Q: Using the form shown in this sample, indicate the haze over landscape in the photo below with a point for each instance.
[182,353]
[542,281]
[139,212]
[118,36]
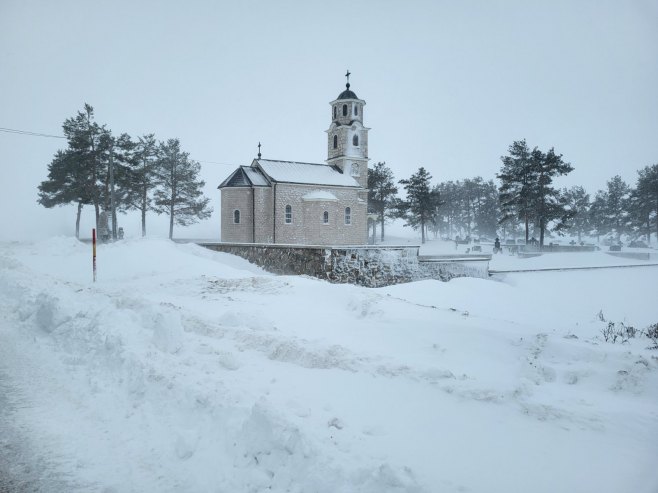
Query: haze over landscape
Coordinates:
[448,86]
[477,362]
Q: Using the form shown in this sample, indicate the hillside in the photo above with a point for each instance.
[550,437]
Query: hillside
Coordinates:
[187,370]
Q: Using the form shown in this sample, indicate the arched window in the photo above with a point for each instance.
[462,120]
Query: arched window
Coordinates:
[334,112]
[325,217]
[288,214]
[356,110]
[355,140]
[344,110]
[335,141]
[236,216]
[348,215]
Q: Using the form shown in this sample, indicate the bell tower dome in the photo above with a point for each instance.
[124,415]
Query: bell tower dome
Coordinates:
[347,136]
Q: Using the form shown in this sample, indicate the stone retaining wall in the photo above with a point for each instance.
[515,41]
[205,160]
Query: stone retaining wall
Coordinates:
[363,265]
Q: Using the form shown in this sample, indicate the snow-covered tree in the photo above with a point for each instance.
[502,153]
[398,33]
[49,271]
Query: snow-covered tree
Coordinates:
[142,176]
[616,207]
[547,203]
[422,202]
[179,193]
[643,202]
[381,192]
[78,174]
[517,189]
[66,184]
[577,202]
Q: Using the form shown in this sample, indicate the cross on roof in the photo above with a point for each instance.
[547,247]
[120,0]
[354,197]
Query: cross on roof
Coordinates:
[348,78]
[259,150]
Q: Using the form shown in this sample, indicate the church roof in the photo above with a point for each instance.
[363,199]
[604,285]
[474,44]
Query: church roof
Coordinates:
[347,94]
[305,173]
[245,176]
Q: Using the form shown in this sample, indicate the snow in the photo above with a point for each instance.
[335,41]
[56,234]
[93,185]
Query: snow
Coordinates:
[306,173]
[184,369]
[255,176]
[321,195]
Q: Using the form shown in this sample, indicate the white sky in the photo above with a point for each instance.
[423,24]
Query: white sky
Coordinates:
[448,86]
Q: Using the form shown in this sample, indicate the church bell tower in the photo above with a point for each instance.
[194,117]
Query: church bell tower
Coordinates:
[347,137]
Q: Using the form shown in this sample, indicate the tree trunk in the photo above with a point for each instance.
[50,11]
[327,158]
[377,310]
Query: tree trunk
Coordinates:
[656,218]
[171,220]
[77,221]
[542,228]
[526,228]
[422,231]
[98,213]
[382,232]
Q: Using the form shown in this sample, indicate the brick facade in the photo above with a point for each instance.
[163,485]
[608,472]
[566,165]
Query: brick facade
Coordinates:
[237,199]
[308,227]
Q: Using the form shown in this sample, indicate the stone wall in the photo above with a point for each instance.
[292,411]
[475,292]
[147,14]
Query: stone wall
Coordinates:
[362,265]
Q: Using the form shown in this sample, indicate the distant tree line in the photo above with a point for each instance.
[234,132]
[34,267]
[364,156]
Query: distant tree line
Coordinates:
[120,174]
[526,202]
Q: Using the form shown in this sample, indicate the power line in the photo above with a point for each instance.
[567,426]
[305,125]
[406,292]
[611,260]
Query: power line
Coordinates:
[215,162]
[27,132]
[38,134]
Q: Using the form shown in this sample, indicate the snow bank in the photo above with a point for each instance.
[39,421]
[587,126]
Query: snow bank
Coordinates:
[183,369]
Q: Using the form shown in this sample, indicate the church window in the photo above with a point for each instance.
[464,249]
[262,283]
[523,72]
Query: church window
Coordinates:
[348,215]
[236,216]
[325,217]
[288,214]
[356,110]
[335,141]
[355,140]
[344,110]
[355,169]
[334,112]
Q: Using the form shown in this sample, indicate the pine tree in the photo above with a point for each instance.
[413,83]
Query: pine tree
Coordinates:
[422,203]
[381,192]
[517,190]
[179,193]
[644,201]
[616,206]
[578,204]
[547,203]
[142,176]
[65,185]
[526,190]
[487,208]
[77,174]
[445,221]
[597,215]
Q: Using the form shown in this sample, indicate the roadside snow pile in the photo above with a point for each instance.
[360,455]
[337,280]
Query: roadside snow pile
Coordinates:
[183,369]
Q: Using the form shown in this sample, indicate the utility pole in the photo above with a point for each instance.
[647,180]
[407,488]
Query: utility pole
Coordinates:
[112,203]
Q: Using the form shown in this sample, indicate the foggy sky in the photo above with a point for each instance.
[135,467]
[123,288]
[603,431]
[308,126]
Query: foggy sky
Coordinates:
[448,86]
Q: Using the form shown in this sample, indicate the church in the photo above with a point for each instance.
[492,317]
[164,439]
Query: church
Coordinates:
[288,202]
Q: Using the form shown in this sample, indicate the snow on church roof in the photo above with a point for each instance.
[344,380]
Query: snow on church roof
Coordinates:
[245,176]
[306,173]
[320,195]
[255,176]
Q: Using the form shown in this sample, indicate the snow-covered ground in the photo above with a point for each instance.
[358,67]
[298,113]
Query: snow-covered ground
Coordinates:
[183,369]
